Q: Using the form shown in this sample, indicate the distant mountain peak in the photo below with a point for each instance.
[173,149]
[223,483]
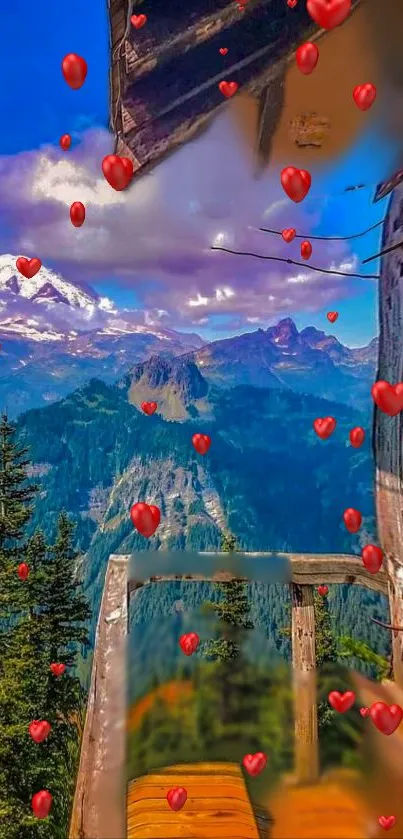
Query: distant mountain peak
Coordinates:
[174,383]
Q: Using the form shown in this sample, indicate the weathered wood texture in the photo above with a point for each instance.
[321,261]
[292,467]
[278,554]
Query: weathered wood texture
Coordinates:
[304,675]
[99,802]
[217,805]
[388,431]
[307,569]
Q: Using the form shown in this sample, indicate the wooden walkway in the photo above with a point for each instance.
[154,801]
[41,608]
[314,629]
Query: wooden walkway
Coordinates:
[217,807]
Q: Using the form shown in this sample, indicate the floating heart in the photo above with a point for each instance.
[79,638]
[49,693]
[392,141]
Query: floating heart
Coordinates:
[146,518]
[292,3]
[201,443]
[39,730]
[28,267]
[323,591]
[387,822]
[364,96]
[306,250]
[223,50]
[288,234]
[372,558]
[41,804]
[328,13]
[388,398]
[138,21]
[74,69]
[307,57]
[296,183]
[341,702]
[77,214]
[364,712]
[387,718]
[189,643]
[57,669]
[324,427]
[254,764]
[23,570]
[357,436]
[228,88]
[176,798]
[352,519]
[118,171]
[332,316]
[149,408]
[65,142]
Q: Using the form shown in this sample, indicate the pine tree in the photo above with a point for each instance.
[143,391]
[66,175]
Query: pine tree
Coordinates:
[42,619]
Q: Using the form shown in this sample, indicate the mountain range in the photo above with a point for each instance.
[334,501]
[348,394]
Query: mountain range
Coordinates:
[56,335]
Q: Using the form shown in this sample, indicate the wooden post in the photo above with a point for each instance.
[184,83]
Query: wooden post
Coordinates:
[305,699]
[388,431]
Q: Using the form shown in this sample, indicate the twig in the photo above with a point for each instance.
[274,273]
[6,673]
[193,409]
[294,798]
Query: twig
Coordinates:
[299,264]
[327,238]
[388,625]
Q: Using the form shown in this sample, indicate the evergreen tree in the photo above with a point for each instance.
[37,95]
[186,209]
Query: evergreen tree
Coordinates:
[41,620]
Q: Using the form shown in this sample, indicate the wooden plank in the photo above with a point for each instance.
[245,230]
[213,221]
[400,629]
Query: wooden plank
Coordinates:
[388,431]
[304,675]
[217,795]
[307,569]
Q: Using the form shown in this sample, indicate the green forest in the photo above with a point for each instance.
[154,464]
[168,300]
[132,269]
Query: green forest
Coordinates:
[43,622]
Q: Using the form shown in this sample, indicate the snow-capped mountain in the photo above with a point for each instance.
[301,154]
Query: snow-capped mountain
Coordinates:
[55,335]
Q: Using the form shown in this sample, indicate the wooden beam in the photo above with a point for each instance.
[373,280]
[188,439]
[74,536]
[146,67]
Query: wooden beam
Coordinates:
[304,676]
[99,801]
[306,569]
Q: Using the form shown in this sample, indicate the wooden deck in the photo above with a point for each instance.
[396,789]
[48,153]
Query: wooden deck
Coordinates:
[218,804]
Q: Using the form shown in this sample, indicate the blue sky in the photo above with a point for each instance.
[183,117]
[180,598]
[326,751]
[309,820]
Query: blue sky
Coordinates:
[40,107]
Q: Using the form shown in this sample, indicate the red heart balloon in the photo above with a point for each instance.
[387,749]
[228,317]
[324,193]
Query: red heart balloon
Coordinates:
[307,57]
[387,718]
[388,398]
[189,643]
[41,804]
[57,669]
[149,408]
[28,267]
[223,50]
[357,436]
[352,519]
[364,96]
[176,798]
[364,712]
[306,250]
[39,730]
[372,558]
[324,427]
[387,822]
[341,702]
[332,316]
[228,88]
[323,591]
[65,142]
[138,21]
[328,13]
[288,234]
[77,214]
[254,764]
[74,69]
[292,3]
[201,442]
[23,570]
[118,171]
[296,183]
[145,518]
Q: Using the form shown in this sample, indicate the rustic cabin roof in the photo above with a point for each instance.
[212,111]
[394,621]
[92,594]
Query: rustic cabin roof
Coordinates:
[165,76]
[385,187]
